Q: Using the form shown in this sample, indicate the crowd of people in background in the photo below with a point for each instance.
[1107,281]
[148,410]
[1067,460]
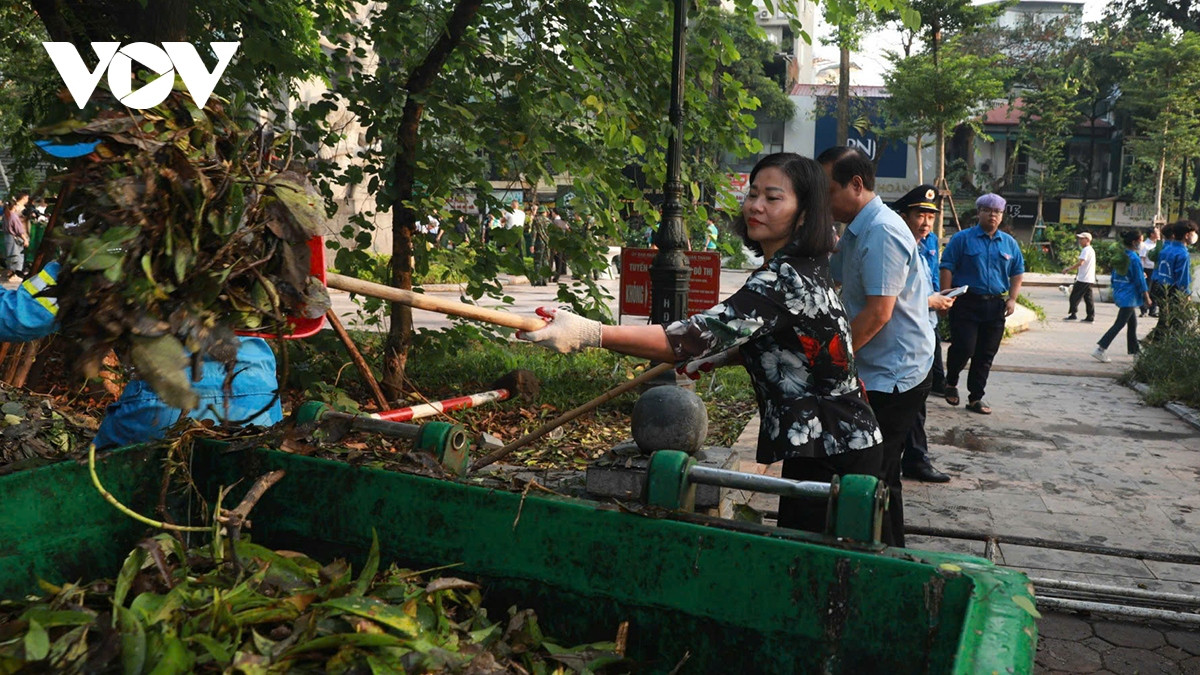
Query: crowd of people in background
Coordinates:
[23,219]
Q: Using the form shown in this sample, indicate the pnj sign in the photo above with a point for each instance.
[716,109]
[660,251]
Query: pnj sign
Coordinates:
[167,60]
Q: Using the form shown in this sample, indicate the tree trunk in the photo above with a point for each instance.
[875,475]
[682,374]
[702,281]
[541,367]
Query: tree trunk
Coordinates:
[1158,186]
[1091,164]
[843,98]
[399,339]
[940,181]
[920,159]
[940,138]
[1183,189]
[1195,182]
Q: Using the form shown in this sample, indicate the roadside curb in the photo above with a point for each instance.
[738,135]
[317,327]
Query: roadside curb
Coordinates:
[1183,412]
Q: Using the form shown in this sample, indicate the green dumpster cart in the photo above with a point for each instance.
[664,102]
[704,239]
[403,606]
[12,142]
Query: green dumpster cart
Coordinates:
[718,595]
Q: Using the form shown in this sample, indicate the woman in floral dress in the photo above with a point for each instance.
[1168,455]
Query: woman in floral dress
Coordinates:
[786,326]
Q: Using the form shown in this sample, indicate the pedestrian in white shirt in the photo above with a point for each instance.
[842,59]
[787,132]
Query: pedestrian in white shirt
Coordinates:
[1085,278]
[1144,249]
[514,218]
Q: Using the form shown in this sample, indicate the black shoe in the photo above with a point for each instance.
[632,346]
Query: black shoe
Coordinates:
[926,474]
[1090,319]
[1154,313]
[1070,318]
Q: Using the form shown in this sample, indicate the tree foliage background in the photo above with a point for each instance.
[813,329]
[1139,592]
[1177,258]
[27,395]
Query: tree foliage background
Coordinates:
[431,100]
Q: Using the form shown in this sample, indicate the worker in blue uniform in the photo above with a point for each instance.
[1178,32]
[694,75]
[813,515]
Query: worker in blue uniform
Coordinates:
[918,208]
[30,311]
[989,262]
[1171,283]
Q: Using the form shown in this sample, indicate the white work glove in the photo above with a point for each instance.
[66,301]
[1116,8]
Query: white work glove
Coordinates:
[564,332]
[693,369]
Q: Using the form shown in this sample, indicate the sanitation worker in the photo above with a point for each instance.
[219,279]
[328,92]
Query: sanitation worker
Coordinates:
[786,326]
[30,311]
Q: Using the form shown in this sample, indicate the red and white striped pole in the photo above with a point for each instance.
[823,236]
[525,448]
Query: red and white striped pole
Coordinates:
[447,405]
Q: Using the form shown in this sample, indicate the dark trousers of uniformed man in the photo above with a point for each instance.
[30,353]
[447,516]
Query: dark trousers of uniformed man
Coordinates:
[916,446]
[976,329]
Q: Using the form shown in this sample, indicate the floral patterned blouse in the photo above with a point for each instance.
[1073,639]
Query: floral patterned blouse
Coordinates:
[795,343]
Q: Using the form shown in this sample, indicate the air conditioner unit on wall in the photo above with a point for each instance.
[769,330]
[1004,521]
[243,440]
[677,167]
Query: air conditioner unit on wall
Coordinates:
[764,14]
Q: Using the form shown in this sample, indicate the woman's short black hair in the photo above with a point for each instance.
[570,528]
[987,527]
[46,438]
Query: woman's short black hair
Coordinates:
[812,233]
[1130,237]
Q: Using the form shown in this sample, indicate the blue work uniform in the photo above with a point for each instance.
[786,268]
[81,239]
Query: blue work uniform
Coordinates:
[27,313]
[140,415]
[1128,289]
[1170,286]
[1174,267]
[929,251]
[986,264]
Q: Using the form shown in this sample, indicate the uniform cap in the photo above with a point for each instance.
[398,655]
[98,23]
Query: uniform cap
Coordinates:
[922,197]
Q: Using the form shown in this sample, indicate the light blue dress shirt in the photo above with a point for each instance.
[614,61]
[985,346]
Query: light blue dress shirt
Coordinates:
[879,256]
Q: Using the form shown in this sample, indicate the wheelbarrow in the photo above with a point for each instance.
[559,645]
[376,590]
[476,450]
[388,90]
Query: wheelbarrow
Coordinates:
[698,594]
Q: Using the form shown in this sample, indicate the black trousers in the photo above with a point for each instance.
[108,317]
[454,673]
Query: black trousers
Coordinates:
[1151,306]
[1126,316]
[1171,302]
[807,514]
[916,446]
[976,329]
[1082,290]
[896,412]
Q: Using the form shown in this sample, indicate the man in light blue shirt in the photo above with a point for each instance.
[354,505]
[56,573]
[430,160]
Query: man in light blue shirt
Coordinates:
[885,290]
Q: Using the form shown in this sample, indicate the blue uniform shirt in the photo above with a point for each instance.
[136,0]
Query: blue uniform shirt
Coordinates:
[1174,267]
[1129,289]
[140,415]
[878,256]
[25,313]
[984,263]
[929,251]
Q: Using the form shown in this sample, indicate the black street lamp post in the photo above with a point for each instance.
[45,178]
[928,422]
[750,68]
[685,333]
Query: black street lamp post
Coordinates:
[670,271]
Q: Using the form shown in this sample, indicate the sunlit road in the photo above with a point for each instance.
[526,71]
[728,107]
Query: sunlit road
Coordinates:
[525,298]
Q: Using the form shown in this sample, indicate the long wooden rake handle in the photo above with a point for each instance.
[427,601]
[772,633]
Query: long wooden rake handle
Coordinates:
[422,301]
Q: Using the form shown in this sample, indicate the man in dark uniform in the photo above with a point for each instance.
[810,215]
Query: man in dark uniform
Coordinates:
[918,208]
[990,263]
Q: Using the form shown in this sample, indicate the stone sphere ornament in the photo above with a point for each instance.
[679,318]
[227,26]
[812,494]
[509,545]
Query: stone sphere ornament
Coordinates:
[669,418]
